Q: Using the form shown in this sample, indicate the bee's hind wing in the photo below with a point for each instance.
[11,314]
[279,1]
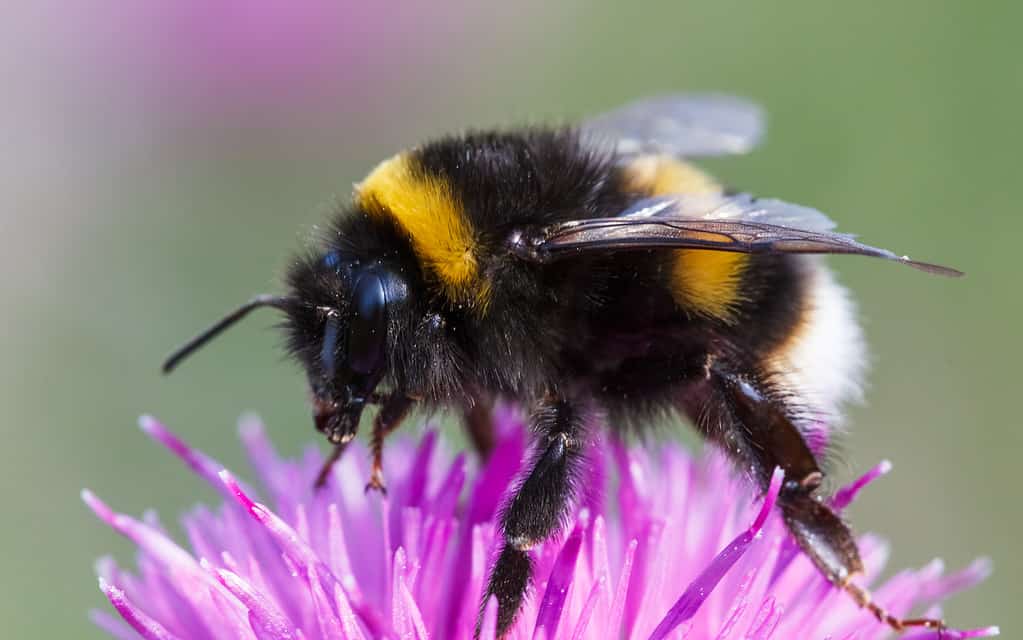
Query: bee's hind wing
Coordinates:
[680,125]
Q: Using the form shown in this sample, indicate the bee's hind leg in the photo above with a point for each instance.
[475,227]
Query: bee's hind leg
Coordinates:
[753,424]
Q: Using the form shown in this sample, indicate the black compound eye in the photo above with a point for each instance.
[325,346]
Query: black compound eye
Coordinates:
[327,359]
[368,328]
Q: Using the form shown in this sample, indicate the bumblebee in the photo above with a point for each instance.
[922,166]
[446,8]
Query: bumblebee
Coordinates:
[590,275]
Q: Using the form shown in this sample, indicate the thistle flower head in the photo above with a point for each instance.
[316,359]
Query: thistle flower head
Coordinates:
[662,546]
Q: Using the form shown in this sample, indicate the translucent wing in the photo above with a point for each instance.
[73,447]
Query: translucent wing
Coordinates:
[738,223]
[678,125]
[738,206]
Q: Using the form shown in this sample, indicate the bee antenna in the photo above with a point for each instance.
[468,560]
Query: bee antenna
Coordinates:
[193,345]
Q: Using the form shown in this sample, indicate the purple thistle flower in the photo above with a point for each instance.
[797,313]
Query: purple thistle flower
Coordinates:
[662,546]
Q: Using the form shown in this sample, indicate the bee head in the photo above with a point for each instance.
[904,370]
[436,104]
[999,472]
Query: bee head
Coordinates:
[337,324]
[342,337]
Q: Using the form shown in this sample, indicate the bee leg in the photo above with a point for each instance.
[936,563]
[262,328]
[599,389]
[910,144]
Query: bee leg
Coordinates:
[539,507]
[829,543]
[328,464]
[478,419]
[753,426]
[393,410]
[390,406]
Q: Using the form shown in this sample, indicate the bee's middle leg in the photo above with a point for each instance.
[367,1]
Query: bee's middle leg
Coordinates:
[539,507]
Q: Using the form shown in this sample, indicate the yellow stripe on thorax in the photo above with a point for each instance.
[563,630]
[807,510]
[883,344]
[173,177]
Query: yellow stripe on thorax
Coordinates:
[706,282]
[441,236]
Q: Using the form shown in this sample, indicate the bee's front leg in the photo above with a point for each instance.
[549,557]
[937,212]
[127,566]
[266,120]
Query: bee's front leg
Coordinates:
[393,409]
[392,412]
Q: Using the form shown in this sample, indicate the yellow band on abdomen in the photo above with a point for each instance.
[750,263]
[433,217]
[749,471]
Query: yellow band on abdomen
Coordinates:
[701,281]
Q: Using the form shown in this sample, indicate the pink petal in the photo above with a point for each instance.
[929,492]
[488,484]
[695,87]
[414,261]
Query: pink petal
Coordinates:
[349,623]
[113,626]
[557,586]
[586,614]
[147,627]
[488,627]
[844,496]
[622,590]
[207,468]
[698,591]
[264,616]
[328,623]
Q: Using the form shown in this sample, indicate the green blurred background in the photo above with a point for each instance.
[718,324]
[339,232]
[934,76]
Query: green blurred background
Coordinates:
[159,170]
